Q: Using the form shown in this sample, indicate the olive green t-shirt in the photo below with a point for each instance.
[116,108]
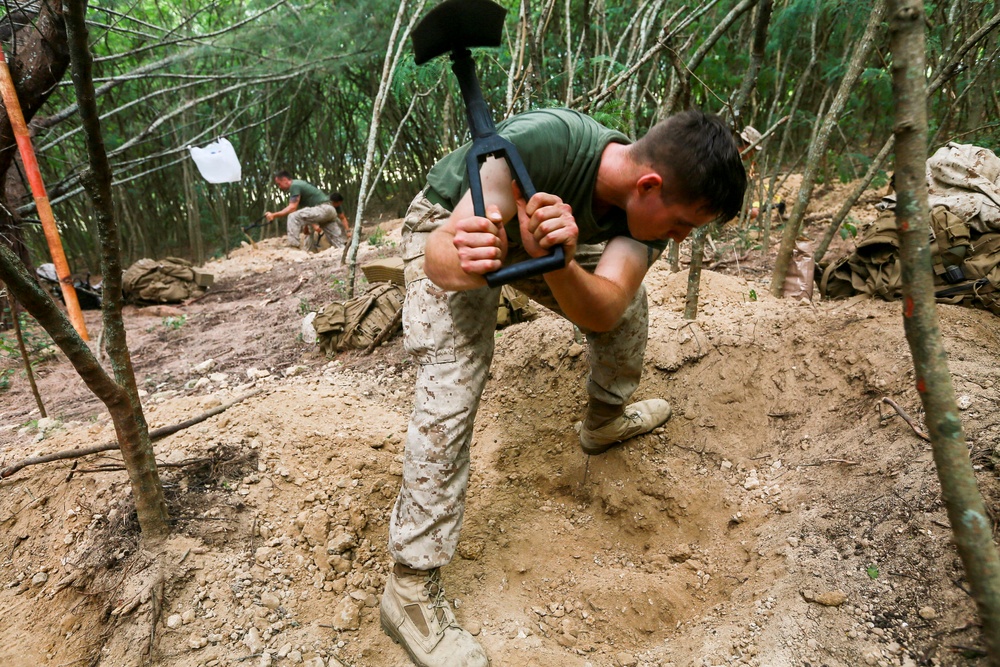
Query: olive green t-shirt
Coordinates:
[309,195]
[561,150]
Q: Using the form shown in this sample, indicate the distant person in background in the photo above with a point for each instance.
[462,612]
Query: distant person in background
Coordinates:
[749,145]
[337,200]
[308,208]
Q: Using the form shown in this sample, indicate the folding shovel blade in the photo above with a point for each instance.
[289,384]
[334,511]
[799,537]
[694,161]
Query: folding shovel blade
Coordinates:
[455,25]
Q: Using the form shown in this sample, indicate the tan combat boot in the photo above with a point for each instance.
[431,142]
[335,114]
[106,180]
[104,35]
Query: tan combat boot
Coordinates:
[638,418]
[415,614]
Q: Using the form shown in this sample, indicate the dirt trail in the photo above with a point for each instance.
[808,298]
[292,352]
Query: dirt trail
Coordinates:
[778,519]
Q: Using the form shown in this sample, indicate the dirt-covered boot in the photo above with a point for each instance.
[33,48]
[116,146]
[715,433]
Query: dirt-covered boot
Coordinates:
[416,614]
[598,433]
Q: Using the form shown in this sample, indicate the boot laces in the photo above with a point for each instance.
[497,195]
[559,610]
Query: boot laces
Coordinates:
[633,416]
[437,600]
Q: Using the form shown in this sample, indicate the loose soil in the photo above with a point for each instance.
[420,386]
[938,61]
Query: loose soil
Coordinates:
[784,516]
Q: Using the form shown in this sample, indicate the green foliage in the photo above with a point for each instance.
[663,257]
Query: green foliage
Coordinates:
[872,571]
[880,180]
[36,340]
[5,376]
[615,115]
[174,322]
[304,307]
[379,238]
[849,227]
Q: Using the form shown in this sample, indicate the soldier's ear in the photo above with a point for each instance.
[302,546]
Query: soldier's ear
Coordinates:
[649,181]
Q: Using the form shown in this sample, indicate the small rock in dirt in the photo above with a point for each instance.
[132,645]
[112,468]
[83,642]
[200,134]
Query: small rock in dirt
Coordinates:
[187,616]
[204,366]
[315,527]
[681,553]
[809,596]
[46,424]
[270,600]
[347,615]
[39,579]
[751,482]
[624,659]
[174,621]
[197,641]
[927,613]
[295,656]
[831,598]
[575,350]
[341,542]
[257,373]
[252,640]
[964,402]
[473,628]
[265,660]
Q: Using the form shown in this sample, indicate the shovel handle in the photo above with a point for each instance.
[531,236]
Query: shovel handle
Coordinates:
[496,145]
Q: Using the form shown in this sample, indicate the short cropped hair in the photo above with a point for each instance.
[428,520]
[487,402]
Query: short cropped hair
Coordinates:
[283,173]
[698,158]
[336,196]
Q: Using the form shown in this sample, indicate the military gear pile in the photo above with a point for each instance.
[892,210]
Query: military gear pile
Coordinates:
[169,280]
[358,322]
[514,307]
[964,195]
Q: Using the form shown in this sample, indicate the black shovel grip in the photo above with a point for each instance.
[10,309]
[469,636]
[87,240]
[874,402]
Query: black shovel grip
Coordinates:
[486,142]
[497,146]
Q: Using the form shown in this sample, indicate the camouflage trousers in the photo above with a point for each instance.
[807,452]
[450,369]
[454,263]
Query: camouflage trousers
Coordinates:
[324,215]
[450,335]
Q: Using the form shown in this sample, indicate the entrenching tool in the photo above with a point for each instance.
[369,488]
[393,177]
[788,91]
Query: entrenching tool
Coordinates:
[455,26]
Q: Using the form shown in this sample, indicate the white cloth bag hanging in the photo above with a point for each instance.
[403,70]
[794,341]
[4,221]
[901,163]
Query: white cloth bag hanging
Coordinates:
[217,162]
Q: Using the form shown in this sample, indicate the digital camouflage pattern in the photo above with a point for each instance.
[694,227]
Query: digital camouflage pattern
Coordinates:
[450,335]
[324,215]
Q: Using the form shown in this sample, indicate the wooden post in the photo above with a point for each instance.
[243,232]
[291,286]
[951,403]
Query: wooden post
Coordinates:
[24,147]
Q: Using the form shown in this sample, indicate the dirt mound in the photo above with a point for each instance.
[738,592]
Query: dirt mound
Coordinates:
[779,518]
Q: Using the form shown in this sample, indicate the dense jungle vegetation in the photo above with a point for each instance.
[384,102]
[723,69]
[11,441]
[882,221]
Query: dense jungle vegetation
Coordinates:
[297,86]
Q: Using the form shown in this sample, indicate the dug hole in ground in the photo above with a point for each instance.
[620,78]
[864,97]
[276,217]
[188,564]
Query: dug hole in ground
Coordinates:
[782,517]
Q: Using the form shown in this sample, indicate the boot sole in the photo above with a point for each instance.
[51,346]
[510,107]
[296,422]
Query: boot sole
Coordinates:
[389,629]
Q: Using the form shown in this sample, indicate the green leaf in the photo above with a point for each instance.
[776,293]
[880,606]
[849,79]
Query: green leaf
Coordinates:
[872,571]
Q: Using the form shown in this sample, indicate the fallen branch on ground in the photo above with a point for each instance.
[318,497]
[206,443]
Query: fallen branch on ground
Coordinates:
[906,417]
[154,435]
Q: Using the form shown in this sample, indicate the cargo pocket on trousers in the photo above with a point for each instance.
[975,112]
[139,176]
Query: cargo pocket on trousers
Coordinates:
[430,332]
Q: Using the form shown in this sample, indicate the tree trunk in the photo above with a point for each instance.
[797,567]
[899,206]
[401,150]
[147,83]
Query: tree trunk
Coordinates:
[694,270]
[852,199]
[392,54]
[756,58]
[966,512]
[24,354]
[38,58]
[125,407]
[817,148]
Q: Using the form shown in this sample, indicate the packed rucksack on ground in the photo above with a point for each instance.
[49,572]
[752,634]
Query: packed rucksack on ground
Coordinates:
[169,280]
[964,196]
